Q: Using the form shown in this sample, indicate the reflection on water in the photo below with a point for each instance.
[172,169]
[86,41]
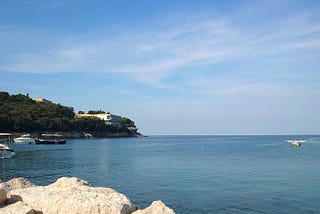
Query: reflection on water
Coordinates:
[192,174]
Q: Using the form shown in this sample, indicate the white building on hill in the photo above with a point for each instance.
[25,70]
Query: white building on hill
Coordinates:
[110,119]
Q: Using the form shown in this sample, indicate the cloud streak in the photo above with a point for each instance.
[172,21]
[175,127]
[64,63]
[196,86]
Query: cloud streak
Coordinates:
[152,55]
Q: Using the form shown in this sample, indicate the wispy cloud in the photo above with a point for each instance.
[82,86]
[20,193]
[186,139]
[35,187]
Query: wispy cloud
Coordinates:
[314,44]
[152,55]
[150,52]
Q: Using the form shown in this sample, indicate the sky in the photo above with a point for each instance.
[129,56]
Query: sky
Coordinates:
[174,67]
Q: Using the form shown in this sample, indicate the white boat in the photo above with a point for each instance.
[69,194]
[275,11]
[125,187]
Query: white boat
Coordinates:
[5,142]
[296,143]
[51,139]
[24,139]
[6,152]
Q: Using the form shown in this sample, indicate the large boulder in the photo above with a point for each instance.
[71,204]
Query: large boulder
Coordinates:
[69,195]
[157,207]
[16,183]
[69,182]
[73,195]
[17,208]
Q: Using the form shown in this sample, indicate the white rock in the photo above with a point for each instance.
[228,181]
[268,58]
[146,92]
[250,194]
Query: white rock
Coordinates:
[73,195]
[16,183]
[70,195]
[69,182]
[17,208]
[157,207]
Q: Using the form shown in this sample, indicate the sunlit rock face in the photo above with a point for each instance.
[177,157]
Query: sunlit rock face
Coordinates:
[68,195]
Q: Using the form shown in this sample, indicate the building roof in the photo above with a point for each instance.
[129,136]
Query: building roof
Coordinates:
[40,99]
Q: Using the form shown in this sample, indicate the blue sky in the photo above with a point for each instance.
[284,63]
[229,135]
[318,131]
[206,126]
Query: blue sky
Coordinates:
[174,67]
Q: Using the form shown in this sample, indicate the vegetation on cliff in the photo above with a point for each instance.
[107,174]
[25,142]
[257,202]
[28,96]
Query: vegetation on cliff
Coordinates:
[19,113]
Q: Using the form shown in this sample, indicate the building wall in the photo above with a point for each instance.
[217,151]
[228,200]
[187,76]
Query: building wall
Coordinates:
[39,99]
[110,119]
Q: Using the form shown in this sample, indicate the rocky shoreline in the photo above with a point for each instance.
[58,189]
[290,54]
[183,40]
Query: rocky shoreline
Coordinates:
[68,195]
[84,134]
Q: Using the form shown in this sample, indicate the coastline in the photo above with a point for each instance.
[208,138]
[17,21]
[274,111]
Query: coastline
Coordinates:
[83,135]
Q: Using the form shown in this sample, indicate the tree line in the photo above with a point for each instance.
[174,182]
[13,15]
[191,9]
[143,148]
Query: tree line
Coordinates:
[19,113]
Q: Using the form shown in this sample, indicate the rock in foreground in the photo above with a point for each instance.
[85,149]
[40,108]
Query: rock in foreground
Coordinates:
[70,195]
[157,207]
[17,208]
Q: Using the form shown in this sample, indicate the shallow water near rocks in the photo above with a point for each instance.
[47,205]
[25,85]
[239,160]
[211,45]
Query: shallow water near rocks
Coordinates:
[190,174]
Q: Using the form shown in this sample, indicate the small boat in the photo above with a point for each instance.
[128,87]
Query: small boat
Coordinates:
[5,142]
[24,139]
[51,139]
[88,136]
[296,143]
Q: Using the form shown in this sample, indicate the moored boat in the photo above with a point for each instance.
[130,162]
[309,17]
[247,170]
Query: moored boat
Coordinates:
[51,139]
[5,142]
[24,139]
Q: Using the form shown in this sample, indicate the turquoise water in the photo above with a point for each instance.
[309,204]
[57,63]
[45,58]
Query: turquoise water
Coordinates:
[191,174]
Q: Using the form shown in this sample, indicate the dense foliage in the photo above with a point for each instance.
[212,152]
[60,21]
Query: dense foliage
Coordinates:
[96,112]
[19,113]
[127,122]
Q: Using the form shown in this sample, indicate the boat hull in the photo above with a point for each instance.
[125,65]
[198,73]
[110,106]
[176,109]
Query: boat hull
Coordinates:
[53,141]
[6,152]
[24,141]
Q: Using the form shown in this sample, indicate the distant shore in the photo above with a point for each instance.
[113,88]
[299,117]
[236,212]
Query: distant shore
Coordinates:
[83,134]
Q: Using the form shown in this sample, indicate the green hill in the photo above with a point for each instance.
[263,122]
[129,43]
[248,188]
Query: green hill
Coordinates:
[19,113]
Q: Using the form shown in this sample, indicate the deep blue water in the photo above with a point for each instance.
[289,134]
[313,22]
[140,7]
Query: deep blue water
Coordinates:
[191,174]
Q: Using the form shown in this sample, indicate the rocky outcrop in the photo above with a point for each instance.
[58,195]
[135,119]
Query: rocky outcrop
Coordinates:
[16,183]
[69,195]
[17,208]
[157,207]
[72,195]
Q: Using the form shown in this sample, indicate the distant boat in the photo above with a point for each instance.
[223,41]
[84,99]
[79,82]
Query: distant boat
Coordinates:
[51,139]
[88,136]
[5,142]
[24,139]
[296,143]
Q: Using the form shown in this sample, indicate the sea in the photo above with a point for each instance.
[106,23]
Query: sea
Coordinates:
[190,174]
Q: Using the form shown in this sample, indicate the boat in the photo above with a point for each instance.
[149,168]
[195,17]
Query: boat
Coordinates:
[5,142]
[24,139]
[51,139]
[88,135]
[296,143]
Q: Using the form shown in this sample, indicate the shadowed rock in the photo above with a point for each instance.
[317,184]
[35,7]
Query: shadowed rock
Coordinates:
[3,196]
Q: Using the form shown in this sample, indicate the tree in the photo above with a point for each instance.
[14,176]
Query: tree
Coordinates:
[96,112]
[19,113]
[127,122]
[3,96]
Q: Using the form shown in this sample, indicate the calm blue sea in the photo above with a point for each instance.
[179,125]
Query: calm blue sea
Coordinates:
[191,174]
